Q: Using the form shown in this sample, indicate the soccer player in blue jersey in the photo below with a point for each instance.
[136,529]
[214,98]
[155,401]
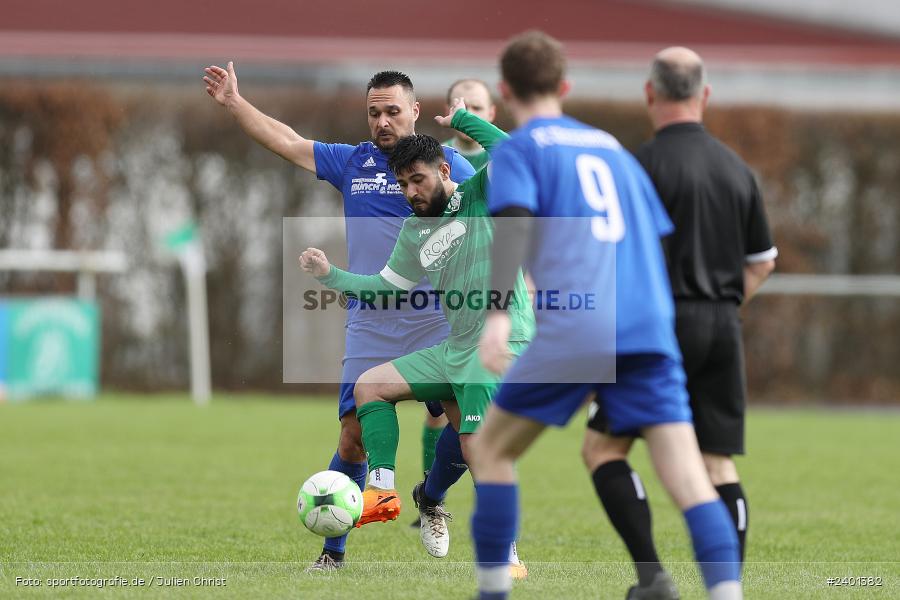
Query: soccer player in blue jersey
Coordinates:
[598,236]
[374,207]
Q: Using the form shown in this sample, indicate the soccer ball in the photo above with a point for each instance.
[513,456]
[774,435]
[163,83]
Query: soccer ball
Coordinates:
[329,504]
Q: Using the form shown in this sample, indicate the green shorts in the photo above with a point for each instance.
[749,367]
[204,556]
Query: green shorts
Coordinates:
[437,373]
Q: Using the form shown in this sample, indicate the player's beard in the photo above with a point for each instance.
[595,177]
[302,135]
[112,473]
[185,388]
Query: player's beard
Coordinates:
[436,205]
[387,147]
[384,148]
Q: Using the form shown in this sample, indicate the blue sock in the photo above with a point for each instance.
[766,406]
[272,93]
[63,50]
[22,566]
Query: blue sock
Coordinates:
[449,465]
[715,542]
[494,525]
[357,472]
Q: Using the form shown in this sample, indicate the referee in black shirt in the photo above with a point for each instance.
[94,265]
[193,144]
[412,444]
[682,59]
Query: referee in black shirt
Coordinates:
[718,256]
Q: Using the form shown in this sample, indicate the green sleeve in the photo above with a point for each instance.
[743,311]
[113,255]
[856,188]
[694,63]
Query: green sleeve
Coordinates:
[478,129]
[403,268]
[478,182]
[354,284]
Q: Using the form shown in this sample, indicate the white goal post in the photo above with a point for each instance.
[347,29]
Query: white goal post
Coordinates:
[87,264]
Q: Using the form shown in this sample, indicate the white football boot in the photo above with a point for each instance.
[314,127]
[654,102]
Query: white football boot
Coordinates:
[433,530]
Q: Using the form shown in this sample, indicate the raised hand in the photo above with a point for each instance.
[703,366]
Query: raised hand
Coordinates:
[221,84]
[315,262]
[457,104]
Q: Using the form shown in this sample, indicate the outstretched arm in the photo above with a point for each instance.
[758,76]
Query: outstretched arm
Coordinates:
[315,262]
[221,85]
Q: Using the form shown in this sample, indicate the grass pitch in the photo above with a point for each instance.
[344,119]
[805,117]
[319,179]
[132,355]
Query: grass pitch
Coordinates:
[200,502]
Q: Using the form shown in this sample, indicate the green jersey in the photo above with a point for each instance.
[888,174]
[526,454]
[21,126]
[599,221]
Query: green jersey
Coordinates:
[477,159]
[453,251]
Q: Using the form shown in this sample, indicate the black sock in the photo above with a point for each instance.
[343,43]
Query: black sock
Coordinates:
[338,556]
[622,494]
[732,495]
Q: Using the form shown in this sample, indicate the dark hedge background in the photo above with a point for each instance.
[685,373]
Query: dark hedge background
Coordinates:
[91,167]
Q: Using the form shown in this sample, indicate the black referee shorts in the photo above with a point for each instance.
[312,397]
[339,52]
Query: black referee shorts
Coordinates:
[709,334]
[712,348]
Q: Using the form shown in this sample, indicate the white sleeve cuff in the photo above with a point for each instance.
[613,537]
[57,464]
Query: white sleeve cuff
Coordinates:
[396,279]
[764,256]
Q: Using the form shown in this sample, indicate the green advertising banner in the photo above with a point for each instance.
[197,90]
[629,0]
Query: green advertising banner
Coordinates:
[52,347]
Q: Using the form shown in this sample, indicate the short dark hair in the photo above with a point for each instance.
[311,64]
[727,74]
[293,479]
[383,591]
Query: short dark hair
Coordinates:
[467,80]
[533,64]
[415,148]
[386,79]
[676,81]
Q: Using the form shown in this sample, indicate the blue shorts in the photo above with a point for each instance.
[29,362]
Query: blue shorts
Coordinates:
[649,390]
[373,342]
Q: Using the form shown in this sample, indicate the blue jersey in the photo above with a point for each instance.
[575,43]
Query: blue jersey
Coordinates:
[374,205]
[598,236]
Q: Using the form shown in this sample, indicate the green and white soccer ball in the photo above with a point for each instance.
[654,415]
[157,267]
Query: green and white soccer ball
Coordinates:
[329,503]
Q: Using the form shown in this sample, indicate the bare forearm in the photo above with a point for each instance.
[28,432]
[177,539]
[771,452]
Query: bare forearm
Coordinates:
[752,282]
[754,276]
[273,134]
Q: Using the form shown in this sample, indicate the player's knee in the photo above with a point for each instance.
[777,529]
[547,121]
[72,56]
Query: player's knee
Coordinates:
[468,455]
[590,456]
[599,449]
[477,451]
[466,444]
[365,391]
[486,450]
[721,468]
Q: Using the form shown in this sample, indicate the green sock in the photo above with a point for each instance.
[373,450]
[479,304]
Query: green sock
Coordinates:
[380,433]
[429,439]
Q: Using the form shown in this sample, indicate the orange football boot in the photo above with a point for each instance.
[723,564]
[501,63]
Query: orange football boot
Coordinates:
[379,505]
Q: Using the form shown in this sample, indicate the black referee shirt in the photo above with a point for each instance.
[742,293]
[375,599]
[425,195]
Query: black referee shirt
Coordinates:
[715,204]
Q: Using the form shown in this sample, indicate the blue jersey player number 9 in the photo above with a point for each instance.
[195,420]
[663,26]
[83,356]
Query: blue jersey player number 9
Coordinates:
[599,191]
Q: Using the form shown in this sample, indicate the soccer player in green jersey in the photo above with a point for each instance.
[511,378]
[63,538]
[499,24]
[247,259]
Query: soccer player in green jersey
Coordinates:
[447,240]
[477,98]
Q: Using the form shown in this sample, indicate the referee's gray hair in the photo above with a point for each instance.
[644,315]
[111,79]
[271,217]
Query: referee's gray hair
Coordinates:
[677,80]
